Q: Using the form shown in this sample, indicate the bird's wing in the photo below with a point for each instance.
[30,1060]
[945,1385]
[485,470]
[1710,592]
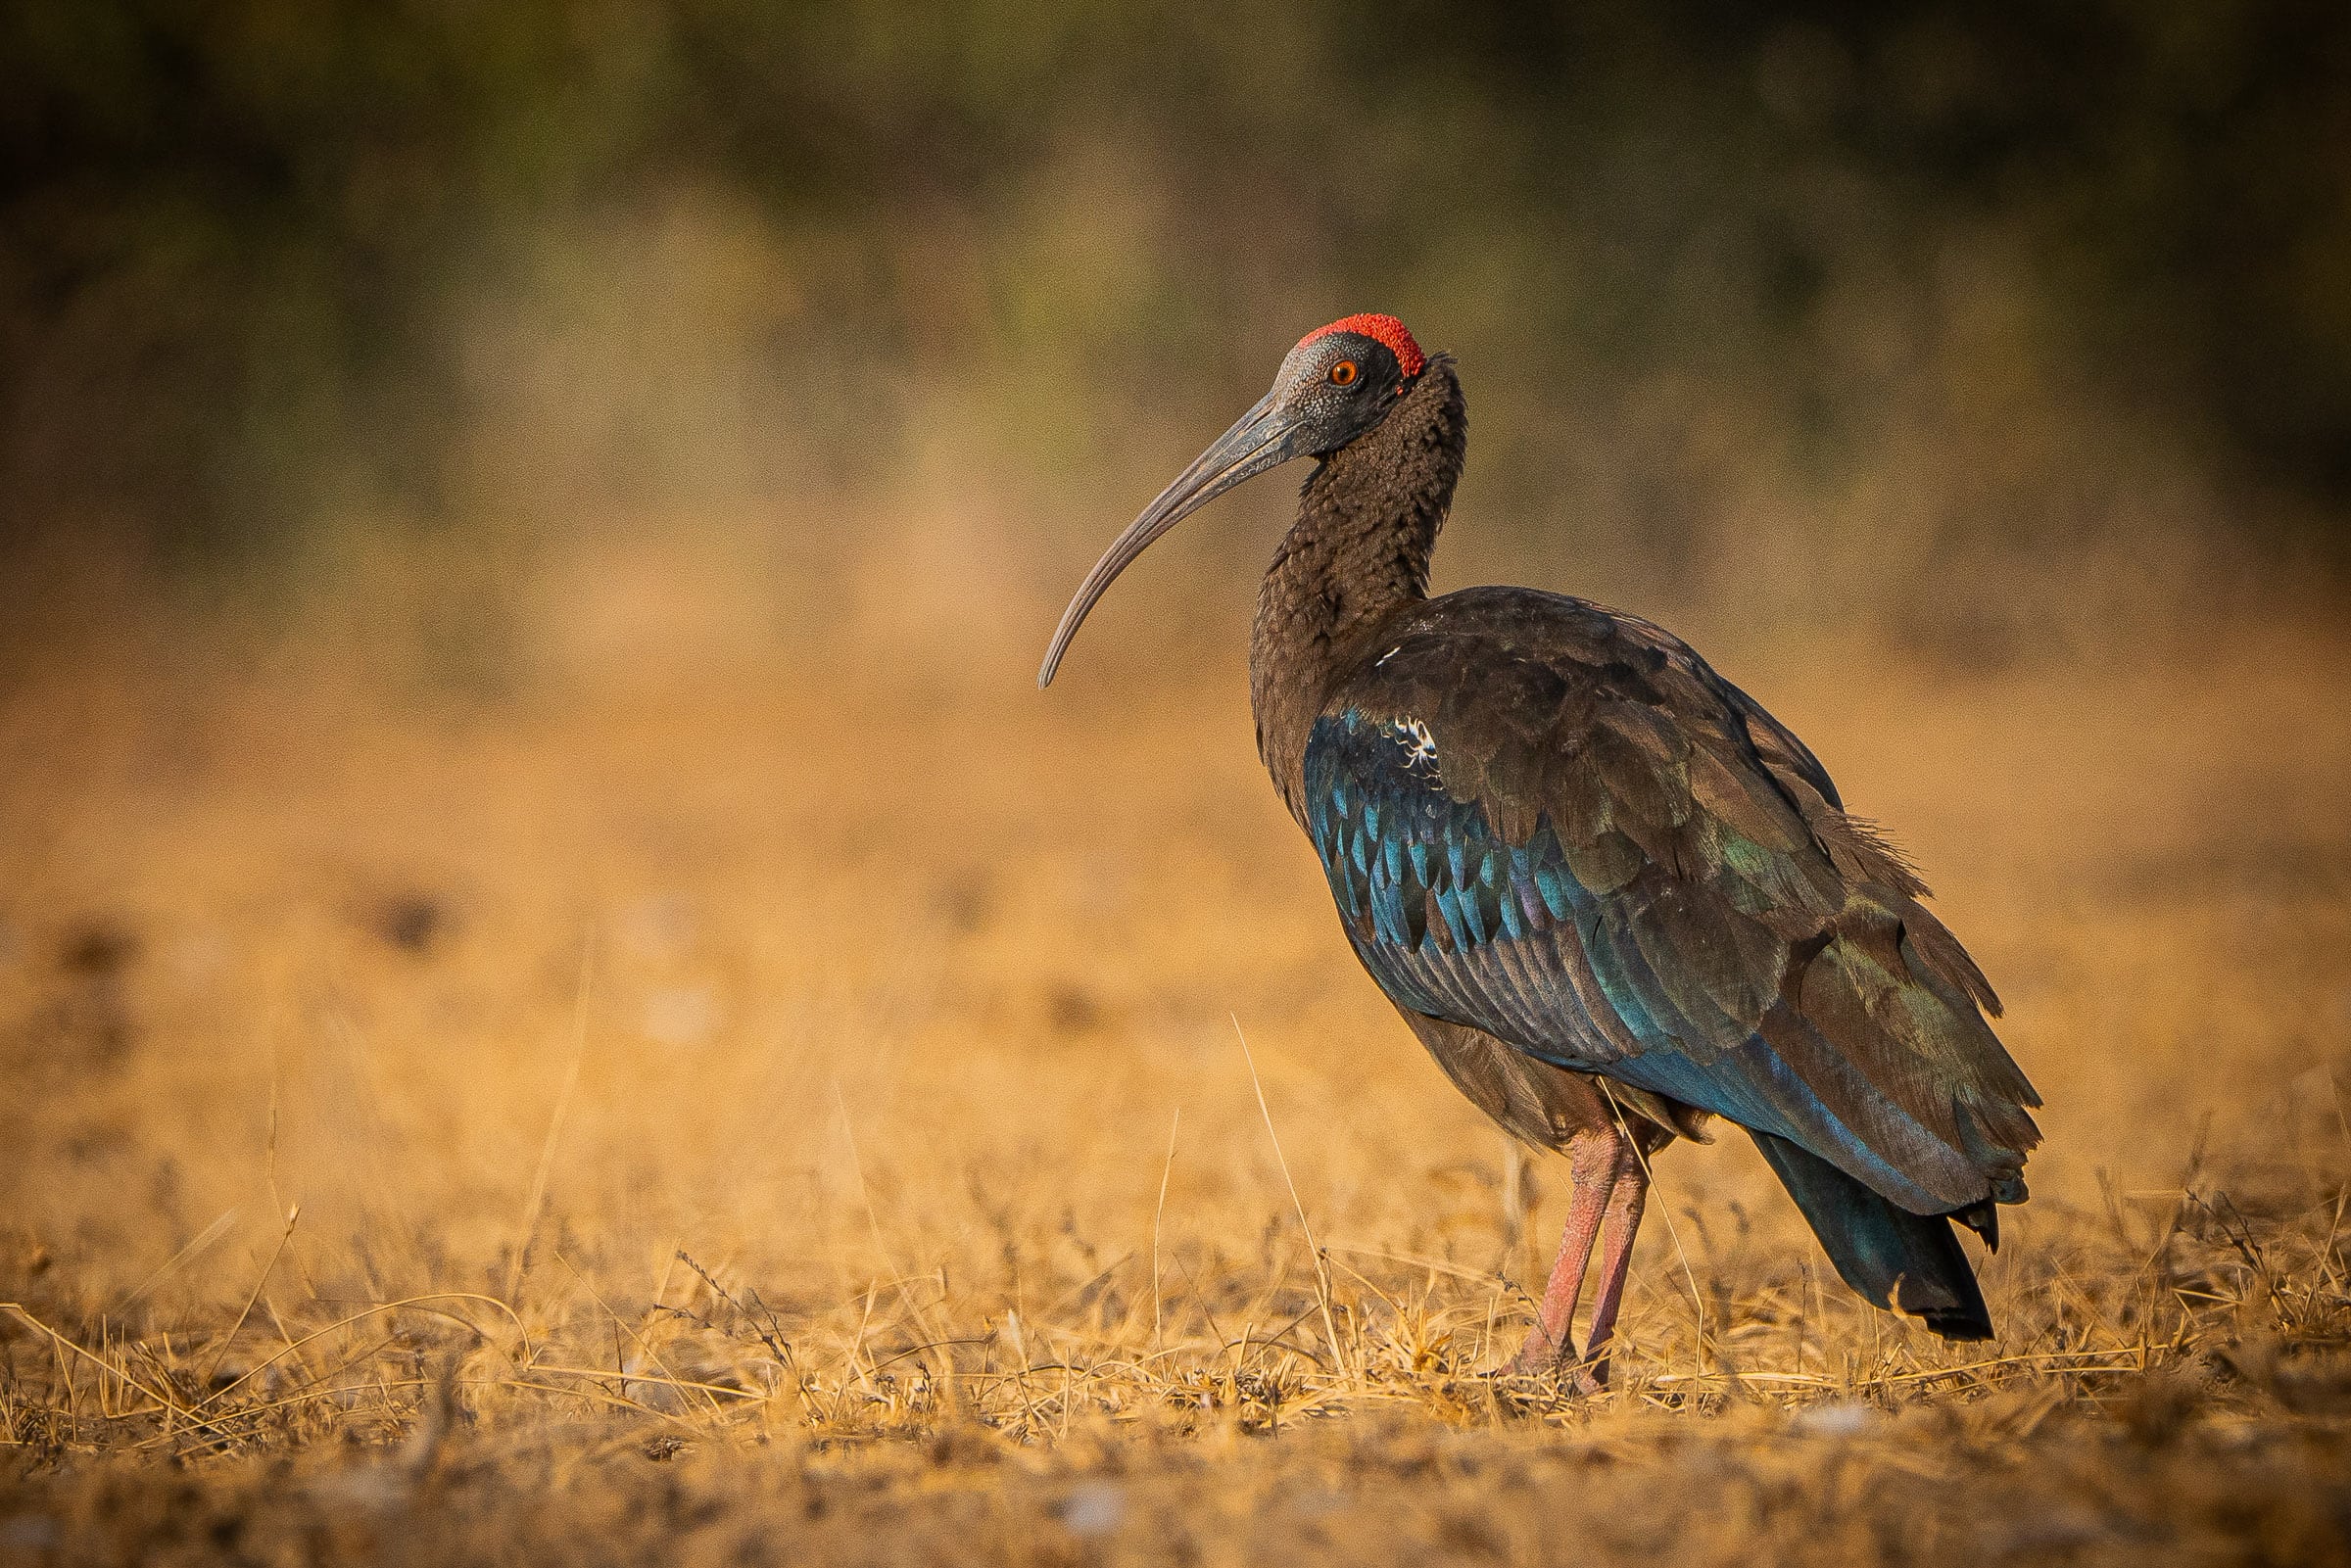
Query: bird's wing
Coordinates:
[1557,825]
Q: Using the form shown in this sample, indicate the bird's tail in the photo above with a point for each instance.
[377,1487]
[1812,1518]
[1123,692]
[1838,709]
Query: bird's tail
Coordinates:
[1882,1250]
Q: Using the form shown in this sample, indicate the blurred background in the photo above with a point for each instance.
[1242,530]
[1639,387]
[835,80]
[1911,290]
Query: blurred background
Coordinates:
[884,315]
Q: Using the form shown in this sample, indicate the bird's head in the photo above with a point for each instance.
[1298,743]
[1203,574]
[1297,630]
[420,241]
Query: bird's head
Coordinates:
[1336,384]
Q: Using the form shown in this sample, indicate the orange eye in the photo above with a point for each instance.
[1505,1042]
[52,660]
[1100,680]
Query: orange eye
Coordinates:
[1343,374]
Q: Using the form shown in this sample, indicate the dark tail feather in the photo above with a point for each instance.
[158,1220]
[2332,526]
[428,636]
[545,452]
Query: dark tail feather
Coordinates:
[1874,1244]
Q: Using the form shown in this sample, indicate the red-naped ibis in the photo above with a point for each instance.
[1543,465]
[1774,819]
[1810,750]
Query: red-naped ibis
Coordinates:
[1611,894]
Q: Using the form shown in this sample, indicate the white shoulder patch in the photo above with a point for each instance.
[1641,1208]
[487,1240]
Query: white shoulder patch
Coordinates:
[1419,745]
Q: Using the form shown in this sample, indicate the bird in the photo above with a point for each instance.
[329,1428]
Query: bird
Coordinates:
[1615,899]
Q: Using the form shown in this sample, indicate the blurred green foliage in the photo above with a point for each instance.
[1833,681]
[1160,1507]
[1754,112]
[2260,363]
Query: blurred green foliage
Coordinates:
[256,255]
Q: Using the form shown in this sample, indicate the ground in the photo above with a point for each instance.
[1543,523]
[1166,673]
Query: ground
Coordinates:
[771,1105]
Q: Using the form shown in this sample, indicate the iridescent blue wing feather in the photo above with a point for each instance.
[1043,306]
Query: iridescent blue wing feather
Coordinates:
[1556,824]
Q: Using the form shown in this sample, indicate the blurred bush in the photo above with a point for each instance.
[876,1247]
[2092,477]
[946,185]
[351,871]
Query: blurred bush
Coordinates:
[1884,290]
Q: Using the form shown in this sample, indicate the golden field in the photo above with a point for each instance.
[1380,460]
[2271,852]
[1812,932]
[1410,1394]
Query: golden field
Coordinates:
[724,1093]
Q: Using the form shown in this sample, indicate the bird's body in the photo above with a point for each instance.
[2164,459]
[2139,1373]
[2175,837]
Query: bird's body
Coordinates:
[1609,891]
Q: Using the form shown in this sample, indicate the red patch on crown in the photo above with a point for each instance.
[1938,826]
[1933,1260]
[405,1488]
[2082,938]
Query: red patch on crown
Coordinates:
[1381,329]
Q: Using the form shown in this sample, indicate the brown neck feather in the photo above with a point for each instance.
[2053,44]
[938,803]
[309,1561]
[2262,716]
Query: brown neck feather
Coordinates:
[1357,556]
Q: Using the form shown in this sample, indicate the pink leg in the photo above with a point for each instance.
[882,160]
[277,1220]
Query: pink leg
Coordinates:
[1593,1162]
[1627,1194]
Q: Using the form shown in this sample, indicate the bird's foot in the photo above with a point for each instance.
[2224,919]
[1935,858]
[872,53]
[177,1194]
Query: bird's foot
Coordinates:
[1540,1358]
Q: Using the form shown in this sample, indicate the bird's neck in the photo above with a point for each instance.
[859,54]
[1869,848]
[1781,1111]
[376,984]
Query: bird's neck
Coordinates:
[1357,556]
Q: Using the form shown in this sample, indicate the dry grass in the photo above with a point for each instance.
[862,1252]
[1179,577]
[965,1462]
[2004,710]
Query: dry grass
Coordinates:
[749,1107]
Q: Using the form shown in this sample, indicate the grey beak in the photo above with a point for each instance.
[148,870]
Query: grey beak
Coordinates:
[1258,441]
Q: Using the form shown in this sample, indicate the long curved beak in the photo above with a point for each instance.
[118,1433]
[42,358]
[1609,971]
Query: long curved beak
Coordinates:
[1259,440]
